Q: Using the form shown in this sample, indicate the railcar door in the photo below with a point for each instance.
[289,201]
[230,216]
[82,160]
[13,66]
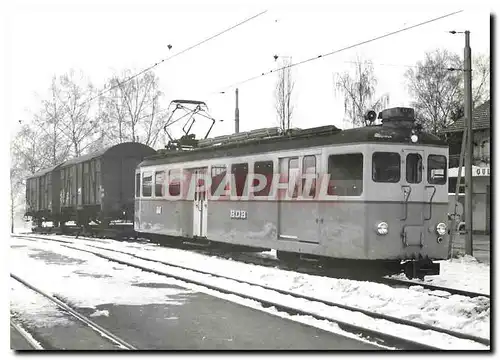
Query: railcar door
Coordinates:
[414,196]
[200,203]
[298,213]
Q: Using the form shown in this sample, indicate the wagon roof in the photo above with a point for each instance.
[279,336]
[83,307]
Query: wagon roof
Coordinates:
[99,153]
[83,158]
[86,157]
[43,172]
[303,139]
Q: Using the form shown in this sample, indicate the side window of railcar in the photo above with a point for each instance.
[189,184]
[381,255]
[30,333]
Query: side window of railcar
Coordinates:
[240,172]
[174,182]
[413,168]
[436,170]
[159,181]
[386,167]
[264,168]
[346,174]
[147,180]
[137,185]
[293,175]
[309,171]
[218,176]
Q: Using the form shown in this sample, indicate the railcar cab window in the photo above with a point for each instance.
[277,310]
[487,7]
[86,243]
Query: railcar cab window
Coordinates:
[240,173]
[386,167]
[413,168]
[174,182]
[147,182]
[436,170]
[137,185]
[159,181]
[346,174]
[264,168]
[218,176]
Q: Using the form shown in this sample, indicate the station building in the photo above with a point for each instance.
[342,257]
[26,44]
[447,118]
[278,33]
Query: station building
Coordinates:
[481,169]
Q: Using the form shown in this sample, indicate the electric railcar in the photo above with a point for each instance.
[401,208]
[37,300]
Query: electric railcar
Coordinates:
[376,195]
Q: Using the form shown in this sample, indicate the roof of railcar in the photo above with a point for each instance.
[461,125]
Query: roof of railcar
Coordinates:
[368,134]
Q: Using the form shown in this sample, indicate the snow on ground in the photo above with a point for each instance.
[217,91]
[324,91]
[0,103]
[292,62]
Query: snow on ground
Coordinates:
[88,281]
[38,311]
[464,273]
[455,312]
[100,313]
[79,271]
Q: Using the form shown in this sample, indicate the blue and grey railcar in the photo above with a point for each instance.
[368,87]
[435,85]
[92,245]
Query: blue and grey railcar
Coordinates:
[376,195]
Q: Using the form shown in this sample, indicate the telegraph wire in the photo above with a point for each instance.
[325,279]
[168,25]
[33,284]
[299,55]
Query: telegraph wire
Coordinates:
[342,49]
[173,56]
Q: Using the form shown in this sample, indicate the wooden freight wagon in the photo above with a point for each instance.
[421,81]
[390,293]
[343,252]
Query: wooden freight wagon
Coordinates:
[42,195]
[99,187]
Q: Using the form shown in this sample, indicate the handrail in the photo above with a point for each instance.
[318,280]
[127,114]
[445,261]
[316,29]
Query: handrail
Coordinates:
[430,201]
[406,200]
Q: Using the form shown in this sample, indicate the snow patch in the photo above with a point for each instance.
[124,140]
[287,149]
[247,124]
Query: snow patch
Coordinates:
[453,312]
[100,313]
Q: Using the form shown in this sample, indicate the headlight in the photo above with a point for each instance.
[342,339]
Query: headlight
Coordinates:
[382,228]
[441,229]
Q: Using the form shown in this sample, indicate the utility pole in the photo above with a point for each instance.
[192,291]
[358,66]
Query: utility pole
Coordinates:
[237,115]
[469,144]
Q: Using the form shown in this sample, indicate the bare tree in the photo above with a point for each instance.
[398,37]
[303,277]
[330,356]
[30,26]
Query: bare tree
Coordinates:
[50,122]
[17,184]
[78,126]
[105,135]
[437,91]
[481,79]
[133,107]
[27,158]
[28,151]
[283,95]
[359,91]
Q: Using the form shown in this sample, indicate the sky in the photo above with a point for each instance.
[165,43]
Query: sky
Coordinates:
[43,39]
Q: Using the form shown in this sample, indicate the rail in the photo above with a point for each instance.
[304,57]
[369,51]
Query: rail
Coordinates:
[24,334]
[74,313]
[381,338]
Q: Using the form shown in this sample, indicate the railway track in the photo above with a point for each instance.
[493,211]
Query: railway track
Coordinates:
[122,344]
[408,284]
[26,336]
[317,269]
[378,337]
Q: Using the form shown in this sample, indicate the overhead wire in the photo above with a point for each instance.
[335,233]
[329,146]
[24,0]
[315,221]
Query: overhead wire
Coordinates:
[403,65]
[173,56]
[340,50]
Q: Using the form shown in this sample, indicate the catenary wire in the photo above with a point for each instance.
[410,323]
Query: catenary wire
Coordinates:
[173,56]
[340,50]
